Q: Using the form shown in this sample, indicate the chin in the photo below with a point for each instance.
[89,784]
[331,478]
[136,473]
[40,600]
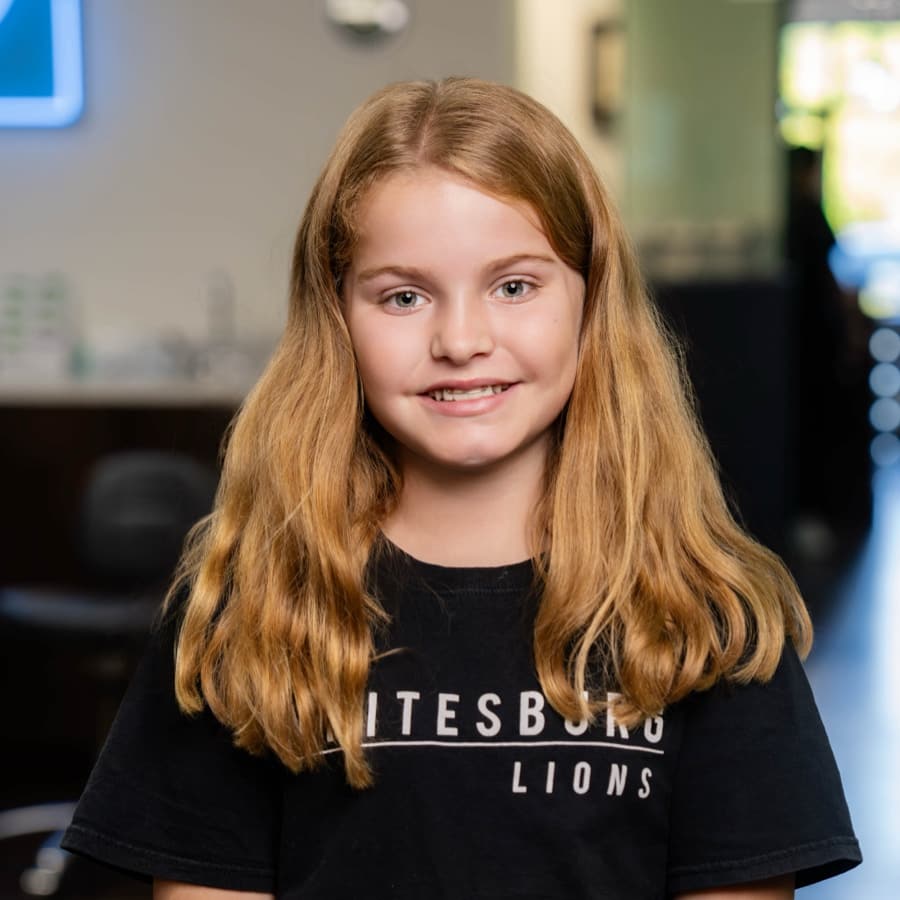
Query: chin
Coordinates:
[474,456]
[470,460]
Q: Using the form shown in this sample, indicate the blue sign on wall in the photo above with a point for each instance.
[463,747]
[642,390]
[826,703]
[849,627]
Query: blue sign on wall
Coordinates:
[40,62]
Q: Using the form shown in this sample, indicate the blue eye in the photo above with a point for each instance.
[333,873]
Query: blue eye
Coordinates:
[513,290]
[404,300]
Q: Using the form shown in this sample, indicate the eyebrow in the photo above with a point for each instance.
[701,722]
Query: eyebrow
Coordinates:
[414,274]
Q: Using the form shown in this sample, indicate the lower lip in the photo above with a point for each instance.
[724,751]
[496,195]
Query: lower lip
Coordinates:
[475,407]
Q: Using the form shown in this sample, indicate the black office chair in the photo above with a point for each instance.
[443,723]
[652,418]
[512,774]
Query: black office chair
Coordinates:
[136,510]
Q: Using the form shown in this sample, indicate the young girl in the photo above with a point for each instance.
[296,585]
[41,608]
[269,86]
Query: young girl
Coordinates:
[471,617]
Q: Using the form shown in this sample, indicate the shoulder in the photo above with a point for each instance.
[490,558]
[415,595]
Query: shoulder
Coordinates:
[170,795]
[756,792]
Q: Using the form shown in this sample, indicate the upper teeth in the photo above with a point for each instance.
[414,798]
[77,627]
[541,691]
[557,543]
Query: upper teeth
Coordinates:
[486,391]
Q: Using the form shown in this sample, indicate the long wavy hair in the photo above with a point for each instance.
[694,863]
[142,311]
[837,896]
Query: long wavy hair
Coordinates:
[646,580]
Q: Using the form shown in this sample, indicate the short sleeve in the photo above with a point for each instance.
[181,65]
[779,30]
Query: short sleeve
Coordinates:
[757,793]
[170,797]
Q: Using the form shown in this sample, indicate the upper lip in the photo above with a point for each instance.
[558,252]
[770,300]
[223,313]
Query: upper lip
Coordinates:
[465,384]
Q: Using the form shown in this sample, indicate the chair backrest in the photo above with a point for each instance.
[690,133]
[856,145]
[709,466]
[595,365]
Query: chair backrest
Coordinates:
[136,511]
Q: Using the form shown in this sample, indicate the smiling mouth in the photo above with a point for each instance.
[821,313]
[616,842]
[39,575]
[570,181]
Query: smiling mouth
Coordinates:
[451,395]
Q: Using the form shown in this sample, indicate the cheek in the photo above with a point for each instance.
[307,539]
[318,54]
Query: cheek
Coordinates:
[370,365]
[566,382]
[572,350]
[565,361]
[365,343]
[380,359]
[551,345]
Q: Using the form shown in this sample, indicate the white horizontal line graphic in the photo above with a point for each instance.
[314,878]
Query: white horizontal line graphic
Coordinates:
[492,745]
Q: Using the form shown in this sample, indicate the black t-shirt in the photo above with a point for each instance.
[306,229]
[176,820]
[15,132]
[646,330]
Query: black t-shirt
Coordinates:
[482,789]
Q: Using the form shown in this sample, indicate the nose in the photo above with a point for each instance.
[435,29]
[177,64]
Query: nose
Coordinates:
[462,330]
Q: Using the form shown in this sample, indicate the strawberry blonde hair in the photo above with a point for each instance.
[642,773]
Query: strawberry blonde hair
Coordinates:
[647,583]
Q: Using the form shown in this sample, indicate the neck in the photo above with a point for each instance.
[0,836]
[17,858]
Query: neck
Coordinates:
[461,518]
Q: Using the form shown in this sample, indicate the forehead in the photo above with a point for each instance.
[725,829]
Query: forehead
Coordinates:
[431,205]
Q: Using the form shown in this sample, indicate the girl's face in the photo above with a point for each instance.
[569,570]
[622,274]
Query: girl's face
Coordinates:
[464,321]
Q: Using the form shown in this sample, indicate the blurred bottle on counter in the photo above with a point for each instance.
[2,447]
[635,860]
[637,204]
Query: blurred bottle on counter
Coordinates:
[222,359]
[39,328]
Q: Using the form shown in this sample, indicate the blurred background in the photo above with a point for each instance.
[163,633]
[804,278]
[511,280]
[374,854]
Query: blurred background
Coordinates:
[155,158]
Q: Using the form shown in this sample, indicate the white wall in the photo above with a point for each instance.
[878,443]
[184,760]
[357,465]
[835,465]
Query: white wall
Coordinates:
[206,122]
[701,135]
[694,155]
[552,53]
